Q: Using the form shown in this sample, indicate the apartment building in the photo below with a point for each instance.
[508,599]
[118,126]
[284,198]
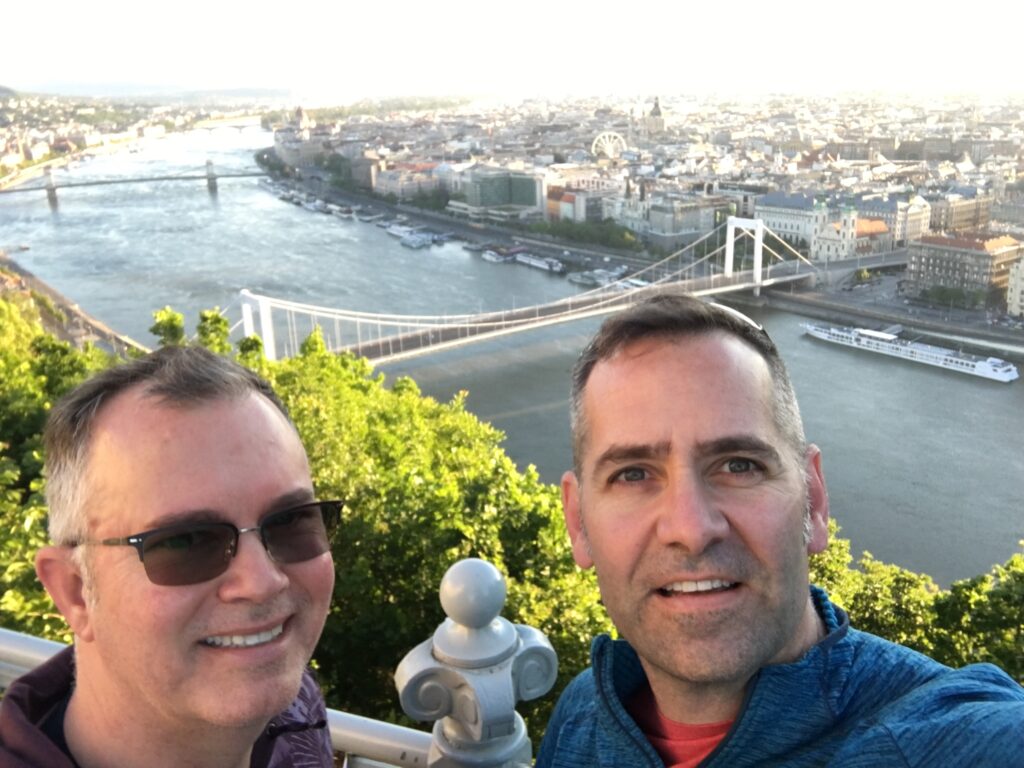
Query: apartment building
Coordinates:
[573,205]
[676,221]
[405,183]
[976,265]
[906,219]
[797,218]
[499,194]
[961,210]
[1015,290]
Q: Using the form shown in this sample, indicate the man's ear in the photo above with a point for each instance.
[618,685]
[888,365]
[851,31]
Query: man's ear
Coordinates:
[574,520]
[817,500]
[63,579]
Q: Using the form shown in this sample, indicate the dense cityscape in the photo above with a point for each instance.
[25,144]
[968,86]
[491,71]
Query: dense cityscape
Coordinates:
[835,178]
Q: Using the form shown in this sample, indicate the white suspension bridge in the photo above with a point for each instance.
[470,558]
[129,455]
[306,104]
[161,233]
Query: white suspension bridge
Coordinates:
[283,325]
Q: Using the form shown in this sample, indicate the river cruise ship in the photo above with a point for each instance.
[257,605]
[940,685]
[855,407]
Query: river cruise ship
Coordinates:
[890,344]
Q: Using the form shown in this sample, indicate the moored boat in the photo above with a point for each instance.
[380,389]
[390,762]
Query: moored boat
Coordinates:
[496,258]
[545,263]
[417,241]
[884,343]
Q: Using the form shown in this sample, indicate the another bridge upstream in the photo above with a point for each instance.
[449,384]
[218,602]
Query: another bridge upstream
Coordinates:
[386,338]
[207,174]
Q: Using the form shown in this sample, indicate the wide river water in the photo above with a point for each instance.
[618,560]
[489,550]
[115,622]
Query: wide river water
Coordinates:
[925,467]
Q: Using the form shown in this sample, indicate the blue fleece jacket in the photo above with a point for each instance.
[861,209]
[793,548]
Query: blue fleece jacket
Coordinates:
[853,700]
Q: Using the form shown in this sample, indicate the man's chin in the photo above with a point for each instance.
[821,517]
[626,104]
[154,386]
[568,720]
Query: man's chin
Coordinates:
[251,703]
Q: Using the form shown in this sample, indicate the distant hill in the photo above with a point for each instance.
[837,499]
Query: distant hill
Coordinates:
[239,93]
[6,93]
[137,92]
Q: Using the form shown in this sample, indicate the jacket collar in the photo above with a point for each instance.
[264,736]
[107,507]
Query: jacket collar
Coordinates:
[618,673]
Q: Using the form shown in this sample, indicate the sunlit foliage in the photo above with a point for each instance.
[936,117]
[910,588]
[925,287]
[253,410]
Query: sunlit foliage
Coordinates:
[426,483]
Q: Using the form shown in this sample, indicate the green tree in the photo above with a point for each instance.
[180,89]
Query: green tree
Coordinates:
[831,570]
[982,619]
[424,484]
[212,331]
[35,370]
[169,327]
[24,605]
[895,603]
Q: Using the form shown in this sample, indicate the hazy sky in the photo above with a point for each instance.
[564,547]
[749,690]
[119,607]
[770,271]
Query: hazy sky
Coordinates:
[339,51]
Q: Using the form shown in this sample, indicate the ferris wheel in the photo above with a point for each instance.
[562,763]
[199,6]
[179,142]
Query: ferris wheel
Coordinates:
[609,144]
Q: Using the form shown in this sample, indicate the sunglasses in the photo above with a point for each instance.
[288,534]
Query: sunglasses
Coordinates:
[740,316]
[191,553]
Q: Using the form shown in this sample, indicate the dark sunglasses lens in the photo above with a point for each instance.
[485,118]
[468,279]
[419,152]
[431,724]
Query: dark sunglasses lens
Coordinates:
[188,555]
[298,534]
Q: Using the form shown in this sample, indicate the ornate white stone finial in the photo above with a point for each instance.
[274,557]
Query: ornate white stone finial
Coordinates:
[473,635]
[469,676]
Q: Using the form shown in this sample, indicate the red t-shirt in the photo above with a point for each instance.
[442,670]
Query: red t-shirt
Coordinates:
[679,745]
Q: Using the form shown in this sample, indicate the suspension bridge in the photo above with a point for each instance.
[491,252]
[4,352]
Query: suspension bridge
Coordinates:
[283,325]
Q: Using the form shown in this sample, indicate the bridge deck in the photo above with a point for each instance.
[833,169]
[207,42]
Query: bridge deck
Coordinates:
[421,341]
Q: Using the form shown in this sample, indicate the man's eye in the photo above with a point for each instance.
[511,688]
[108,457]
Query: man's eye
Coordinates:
[632,475]
[740,466]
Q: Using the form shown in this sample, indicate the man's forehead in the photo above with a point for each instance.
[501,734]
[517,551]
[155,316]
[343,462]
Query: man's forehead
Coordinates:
[712,353]
[140,440]
[714,381]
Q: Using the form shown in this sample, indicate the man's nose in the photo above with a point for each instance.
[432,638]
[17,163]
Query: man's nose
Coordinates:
[690,517]
[252,575]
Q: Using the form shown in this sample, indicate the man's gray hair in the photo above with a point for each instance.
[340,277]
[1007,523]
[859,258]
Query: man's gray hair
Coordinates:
[180,376]
[671,316]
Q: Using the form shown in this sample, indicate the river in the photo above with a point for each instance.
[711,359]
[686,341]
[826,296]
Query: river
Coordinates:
[925,467]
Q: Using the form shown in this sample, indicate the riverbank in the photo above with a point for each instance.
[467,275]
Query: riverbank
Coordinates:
[70,322]
[576,255]
[35,171]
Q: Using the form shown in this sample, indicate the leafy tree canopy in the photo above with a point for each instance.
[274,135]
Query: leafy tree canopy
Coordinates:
[424,484]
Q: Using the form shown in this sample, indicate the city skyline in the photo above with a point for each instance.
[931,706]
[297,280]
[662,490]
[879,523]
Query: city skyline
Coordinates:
[339,54]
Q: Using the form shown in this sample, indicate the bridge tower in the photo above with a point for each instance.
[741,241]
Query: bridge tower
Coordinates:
[262,305]
[211,178]
[51,189]
[746,224]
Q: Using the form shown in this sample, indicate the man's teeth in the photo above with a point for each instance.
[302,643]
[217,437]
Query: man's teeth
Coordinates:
[698,586]
[244,641]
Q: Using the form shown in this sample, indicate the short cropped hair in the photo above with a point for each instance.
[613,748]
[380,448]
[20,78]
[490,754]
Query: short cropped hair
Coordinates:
[670,316]
[175,375]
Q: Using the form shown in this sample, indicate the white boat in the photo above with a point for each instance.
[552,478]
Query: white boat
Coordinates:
[398,230]
[546,263]
[319,206]
[890,344]
[495,258]
[583,278]
[417,240]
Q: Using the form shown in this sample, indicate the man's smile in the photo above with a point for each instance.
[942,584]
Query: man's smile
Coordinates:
[704,585]
[243,641]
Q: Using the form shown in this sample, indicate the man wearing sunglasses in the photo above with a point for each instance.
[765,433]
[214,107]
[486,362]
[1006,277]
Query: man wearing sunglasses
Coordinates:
[697,500]
[192,561]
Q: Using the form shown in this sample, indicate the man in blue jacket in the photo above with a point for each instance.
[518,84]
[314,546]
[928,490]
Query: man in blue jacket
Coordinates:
[697,501]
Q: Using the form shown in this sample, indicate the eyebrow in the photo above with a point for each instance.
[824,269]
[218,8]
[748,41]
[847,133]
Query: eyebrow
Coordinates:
[616,454]
[740,444]
[748,444]
[284,501]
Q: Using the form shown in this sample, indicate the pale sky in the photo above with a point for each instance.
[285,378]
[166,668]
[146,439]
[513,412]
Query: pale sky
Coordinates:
[342,50]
